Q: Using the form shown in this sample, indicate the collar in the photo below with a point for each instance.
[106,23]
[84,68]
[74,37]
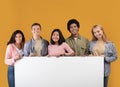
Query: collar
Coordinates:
[79,37]
[34,40]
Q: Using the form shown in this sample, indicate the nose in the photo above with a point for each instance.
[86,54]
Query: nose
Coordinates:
[97,33]
[73,28]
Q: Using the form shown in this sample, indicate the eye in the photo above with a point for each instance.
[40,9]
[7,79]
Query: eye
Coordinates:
[71,27]
[98,31]
[75,26]
[94,32]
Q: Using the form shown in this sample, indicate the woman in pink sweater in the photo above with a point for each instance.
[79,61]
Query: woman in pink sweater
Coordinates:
[14,52]
[58,47]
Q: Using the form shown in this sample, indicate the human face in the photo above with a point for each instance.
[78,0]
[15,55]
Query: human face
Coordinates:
[18,38]
[98,33]
[74,29]
[36,30]
[55,37]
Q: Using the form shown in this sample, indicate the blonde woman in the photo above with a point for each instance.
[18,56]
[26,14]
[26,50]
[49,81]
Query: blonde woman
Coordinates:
[100,46]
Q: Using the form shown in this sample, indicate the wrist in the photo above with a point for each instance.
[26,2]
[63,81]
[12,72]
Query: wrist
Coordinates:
[13,60]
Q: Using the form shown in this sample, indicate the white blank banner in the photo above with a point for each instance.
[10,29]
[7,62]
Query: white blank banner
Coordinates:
[59,72]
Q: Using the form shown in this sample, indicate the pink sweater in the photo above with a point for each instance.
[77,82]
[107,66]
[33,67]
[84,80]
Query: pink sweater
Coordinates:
[11,52]
[64,48]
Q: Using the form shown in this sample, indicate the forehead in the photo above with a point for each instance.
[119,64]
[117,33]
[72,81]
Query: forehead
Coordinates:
[73,24]
[56,32]
[97,29]
[18,34]
[35,26]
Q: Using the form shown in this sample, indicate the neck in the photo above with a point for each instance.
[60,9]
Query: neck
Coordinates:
[100,39]
[18,45]
[36,37]
[56,43]
[75,35]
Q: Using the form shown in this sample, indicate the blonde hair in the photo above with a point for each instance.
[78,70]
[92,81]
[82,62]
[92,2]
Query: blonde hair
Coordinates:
[104,38]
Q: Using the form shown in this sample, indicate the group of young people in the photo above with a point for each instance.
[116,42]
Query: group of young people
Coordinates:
[74,45]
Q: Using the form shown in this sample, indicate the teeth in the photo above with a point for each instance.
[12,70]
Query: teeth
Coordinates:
[74,31]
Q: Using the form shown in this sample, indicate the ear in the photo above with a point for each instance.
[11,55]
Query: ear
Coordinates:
[32,30]
[40,29]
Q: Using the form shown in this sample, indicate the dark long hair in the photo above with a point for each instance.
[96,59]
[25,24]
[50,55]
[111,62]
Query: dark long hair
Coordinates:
[61,37]
[12,39]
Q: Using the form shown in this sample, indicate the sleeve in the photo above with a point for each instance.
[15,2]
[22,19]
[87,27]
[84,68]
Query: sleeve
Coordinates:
[87,51]
[111,54]
[8,56]
[90,47]
[45,50]
[49,49]
[26,49]
[68,50]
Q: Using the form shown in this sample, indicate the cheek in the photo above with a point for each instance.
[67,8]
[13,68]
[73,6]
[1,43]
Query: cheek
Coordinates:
[71,29]
[38,30]
[33,31]
[20,38]
[102,33]
[94,34]
[53,38]
[58,38]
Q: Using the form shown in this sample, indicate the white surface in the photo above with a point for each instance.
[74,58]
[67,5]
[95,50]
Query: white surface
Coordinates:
[59,72]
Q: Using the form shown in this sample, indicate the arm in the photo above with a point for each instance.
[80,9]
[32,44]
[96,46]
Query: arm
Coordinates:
[111,55]
[8,56]
[49,51]
[45,48]
[69,52]
[26,49]
[87,52]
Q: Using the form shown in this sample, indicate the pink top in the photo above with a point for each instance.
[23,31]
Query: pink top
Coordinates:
[62,49]
[11,52]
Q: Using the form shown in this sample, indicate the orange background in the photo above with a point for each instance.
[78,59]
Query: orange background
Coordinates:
[20,14]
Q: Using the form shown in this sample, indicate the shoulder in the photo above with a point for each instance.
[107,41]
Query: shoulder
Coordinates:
[45,41]
[10,45]
[84,38]
[92,42]
[30,41]
[69,38]
[50,45]
[28,44]
[110,43]
[64,44]
[110,46]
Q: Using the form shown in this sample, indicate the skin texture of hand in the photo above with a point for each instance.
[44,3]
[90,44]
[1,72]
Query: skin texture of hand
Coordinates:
[32,54]
[56,55]
[67,54]
[17,57]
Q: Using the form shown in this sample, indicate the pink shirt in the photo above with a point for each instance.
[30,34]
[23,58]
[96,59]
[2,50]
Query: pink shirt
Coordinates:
[11,52]
[64,48]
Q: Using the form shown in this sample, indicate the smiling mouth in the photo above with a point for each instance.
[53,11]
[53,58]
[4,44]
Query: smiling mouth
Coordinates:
[74,31]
